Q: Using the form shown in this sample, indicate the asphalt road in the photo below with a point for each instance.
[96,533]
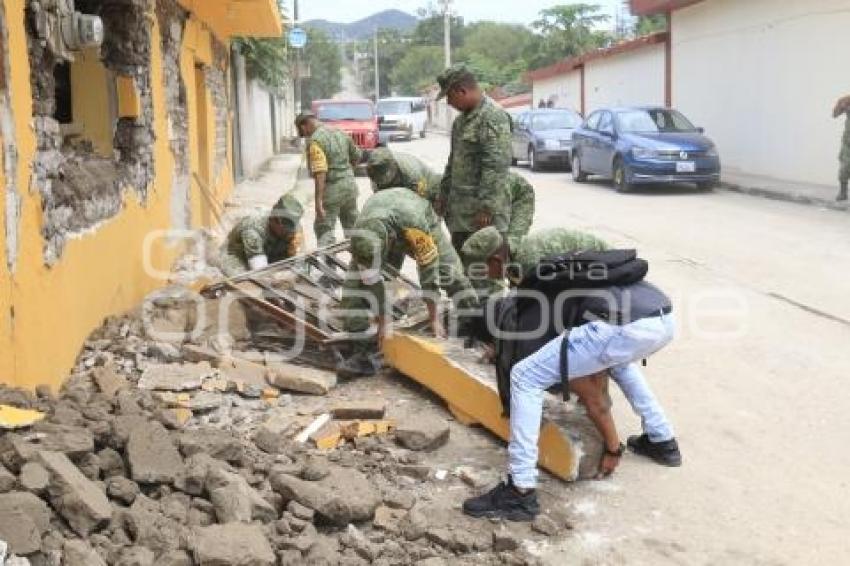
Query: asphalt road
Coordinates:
[757,383]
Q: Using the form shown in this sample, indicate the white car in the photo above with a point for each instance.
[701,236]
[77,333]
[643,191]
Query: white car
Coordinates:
[400,118]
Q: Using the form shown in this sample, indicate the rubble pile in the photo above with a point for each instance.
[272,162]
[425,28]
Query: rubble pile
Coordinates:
[174,454]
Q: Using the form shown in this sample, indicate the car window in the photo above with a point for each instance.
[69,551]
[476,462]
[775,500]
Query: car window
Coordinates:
[344,111]
[386,107]
[654,121]
[593,121]
[606,124]
[522,120]
[554,121]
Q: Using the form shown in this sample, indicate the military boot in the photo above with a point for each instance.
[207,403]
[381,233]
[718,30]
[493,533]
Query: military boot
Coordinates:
[842,192]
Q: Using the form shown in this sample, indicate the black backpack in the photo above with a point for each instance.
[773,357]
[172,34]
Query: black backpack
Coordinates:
[520,314]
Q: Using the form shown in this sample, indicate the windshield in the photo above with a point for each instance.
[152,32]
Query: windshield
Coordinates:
[653,121]
[345,111]
[555,121]
[393,107]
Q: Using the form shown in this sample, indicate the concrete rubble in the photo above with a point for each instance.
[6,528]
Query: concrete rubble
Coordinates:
[114,475]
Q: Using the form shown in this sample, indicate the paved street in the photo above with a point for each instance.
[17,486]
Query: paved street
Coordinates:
[755,383]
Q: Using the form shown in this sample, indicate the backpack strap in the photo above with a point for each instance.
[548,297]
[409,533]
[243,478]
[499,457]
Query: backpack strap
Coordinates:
[565,365]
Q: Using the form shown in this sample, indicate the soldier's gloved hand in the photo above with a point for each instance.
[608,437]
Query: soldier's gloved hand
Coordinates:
[483,218]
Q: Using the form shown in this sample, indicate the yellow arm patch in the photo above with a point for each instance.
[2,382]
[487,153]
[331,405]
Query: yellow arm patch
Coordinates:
[422,245]
[318,159]
[421,187]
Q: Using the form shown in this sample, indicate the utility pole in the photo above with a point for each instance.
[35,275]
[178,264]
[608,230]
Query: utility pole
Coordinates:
[447,31]
[377,72]
[297,72]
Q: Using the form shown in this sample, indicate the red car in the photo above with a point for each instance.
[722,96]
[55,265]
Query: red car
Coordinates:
[355,116]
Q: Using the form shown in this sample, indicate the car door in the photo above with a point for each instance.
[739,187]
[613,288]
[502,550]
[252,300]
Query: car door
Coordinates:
[607,144]
[519,139]
[588,147]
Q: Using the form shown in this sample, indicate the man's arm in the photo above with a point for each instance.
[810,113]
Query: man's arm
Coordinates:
[442,198]
[354,153]
[495,140]
[522,210]
[319,169]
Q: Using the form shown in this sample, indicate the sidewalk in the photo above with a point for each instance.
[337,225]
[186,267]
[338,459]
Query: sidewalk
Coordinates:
[777,189]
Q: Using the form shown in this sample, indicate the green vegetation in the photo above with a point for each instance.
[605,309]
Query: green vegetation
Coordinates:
[323,58]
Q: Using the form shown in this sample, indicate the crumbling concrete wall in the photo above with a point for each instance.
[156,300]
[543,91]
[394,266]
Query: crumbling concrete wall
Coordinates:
[9,149]
[172,24]
[216,79]
[78,188]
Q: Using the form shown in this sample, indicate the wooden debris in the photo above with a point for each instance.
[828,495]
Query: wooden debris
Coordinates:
[369,409]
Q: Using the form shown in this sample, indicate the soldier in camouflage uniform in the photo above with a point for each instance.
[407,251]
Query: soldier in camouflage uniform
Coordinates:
[256,241]
[389,218]
[474,188]
[522,209]
[331,156]
[843,107]
[489,248]
[389,169]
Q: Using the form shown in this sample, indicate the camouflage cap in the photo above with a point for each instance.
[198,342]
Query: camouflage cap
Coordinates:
[288,208]
[452,76]
[482,244]
[368,241]
[382,168]
[303,117]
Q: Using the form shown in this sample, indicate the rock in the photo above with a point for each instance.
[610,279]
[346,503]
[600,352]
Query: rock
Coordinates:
[109,381]
[152,456]
[173,419]
[301,379]
[122,489]
[235,500]
[76,552]
[324,552]
[415,471]
[193,479]
[136,556]
[544,525]
[290,557]
[388,519]
[396,499]
[174,377]
[415,525]
[148,527]
[422,433]
[73,441]
[34,477]
[164,352]
[357,541]
[122,426]
[504,540]
[218,444]
[344,496]
[76,498]
[274,434]
[111,463]
[316,469]
[7,480]
[300,511]
[175,558]
[235,544]
[23,519]
[89,465]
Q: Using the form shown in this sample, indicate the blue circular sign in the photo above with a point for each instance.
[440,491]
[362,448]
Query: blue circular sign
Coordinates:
[297,38]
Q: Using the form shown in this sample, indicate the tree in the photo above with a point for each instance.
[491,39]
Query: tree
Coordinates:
[650,24]
[496,52]
[392,46]
[418,68]
[322,57]
[567,31]
[429,30]
[266,58]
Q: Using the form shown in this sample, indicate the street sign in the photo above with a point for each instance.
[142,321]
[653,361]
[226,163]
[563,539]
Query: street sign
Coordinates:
[297,38]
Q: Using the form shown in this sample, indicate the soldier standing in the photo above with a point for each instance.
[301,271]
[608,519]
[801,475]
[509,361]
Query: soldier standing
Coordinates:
[843,107]
[474,188]
[332,156]
[256,241]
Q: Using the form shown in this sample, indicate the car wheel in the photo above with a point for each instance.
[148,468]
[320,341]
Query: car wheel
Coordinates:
[706,186]
[422,135]
[533,164]
[621,177]
[579,176]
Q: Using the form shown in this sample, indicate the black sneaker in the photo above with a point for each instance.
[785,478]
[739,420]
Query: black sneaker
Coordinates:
[504,502]
[665,453]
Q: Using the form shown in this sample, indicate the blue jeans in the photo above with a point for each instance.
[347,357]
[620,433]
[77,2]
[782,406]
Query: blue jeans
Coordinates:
[593,347]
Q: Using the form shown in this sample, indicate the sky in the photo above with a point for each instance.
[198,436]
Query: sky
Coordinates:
[513,11]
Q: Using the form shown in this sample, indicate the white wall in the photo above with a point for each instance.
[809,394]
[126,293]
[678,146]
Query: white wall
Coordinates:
[762,77]
[565,88]
[627,79]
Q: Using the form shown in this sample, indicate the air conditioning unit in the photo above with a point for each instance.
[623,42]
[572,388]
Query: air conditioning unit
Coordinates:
[63,29]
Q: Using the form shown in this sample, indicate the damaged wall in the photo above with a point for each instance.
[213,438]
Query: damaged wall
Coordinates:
[106,267]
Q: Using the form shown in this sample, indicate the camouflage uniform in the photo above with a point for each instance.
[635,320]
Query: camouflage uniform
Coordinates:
[333,152]
[522,209]
[398,217]
[476,176]
[252,237]
[389,169]
[844,156]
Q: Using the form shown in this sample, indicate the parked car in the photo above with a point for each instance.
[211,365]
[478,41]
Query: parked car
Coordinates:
[401,118]
[356,117]
[644,145]
[544,137]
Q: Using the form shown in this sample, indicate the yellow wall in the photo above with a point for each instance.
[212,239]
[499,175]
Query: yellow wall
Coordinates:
[99,273]
[90,96]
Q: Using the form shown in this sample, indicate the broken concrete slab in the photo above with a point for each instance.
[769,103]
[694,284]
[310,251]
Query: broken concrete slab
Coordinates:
[236,501]
[18,449]
[388,519]
[422,432]
[199,402]
[344,496]
[174,419]
[300,511]
[152,456]
[122,489]
[275,433]
[29,505]
[34,478]
[19,531]
[150,528]
[108,380]
[545,525]
[219,444]
[136,556]
[8,481]
[235,544]
[76,498]
[300,379]
[174,377]
[362,409]
[76,552]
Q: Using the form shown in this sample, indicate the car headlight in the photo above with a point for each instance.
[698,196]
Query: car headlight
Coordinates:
[643,153]
[552,144]
[712,152]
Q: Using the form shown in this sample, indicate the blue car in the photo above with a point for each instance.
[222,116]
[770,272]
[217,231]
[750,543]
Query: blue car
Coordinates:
[644,145]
